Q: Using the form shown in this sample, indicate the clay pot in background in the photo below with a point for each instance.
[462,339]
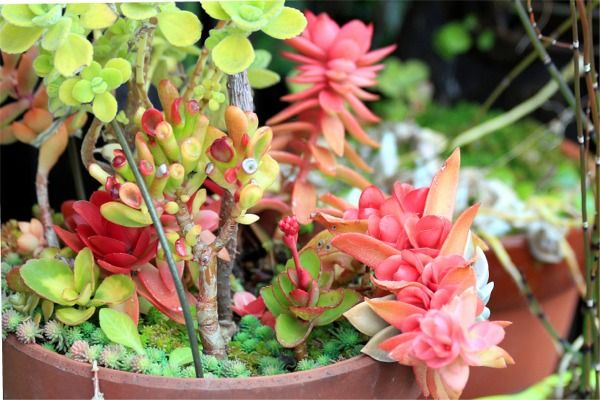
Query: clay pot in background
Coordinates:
[526,340]
[30,371]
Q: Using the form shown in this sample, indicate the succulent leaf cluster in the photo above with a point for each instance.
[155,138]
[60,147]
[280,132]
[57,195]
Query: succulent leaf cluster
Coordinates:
[301,296]
[76,293]
[230,48]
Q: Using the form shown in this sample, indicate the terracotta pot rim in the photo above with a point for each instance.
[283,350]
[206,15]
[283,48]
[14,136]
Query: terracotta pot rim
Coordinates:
[55,360]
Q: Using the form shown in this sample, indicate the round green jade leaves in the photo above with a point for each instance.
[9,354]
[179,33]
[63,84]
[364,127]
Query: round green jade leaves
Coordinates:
[62,31]
[180,28]
[94,85]
[232,52]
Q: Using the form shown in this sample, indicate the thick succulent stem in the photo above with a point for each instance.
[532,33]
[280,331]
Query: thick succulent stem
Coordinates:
[300,351]
[225,268]
[41,190]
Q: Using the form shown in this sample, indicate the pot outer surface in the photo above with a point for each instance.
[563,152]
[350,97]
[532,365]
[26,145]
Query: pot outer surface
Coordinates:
[526,340]
[33,372]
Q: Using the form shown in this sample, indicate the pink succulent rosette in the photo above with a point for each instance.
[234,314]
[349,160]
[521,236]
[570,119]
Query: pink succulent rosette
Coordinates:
[117,249]
[337,64]
[31,240]
[441,344]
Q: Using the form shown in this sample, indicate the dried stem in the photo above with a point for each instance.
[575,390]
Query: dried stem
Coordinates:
[225,268]
[590,347]
[41,189]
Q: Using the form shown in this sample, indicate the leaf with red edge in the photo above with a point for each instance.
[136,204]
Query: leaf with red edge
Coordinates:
[392,311]
[442,193]
[364,248]
[15,282]
[307,313]
[456,240]
[304,200]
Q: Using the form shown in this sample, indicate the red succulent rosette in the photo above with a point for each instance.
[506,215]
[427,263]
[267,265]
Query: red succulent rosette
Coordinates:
[117,249]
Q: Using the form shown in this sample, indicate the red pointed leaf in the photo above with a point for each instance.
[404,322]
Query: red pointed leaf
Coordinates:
[459,233]
[70,238]
[91,215]
[121,260]
[104,245]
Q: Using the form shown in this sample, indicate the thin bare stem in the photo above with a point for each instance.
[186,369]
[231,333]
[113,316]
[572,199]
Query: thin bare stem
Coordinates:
[191,84]
[549,41]
[76,169]
[41,189]
[164,243]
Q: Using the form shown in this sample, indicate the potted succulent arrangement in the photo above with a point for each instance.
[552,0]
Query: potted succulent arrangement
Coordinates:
[113,294]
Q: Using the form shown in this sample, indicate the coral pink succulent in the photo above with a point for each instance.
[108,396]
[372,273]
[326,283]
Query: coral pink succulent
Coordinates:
[441,344]
[337,64]
[32,238]
[117,249]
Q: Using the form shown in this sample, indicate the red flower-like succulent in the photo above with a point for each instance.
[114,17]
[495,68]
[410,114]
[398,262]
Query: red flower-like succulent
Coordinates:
[117,249]
[338,65]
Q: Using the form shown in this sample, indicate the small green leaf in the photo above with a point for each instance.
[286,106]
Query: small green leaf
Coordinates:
[65,92]
[91,71]
[49,278]
[122,65]
[119,328]
[114,289]
[262,59]
[121,214]
[291,331]
[288,24]
[112,77]
[139,11]
[105,106]
[262,78]
[271,302]
[83,270]
[42,65]
[181,28]
[82,91]
[214,9]
[47,309]
[84,295]
[74,316]
[233,54]
[180,357]
[350,298]
[15,39]
[74,53]
[57,34]
[48,18]
[18,15]
[98,16]
[309,260]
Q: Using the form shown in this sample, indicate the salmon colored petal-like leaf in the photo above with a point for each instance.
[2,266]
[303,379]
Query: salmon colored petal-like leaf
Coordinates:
[459,233]
[393,311]
[364,248]
[440,200]
[304,200]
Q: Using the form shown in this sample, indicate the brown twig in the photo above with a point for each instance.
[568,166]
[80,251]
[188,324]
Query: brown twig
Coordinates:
[41,189]
[200,64]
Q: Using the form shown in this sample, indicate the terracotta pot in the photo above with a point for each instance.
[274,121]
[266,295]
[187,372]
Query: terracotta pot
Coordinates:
[526,340]
[32,372]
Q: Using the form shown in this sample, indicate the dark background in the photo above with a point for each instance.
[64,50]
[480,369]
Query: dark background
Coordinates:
[409,24]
